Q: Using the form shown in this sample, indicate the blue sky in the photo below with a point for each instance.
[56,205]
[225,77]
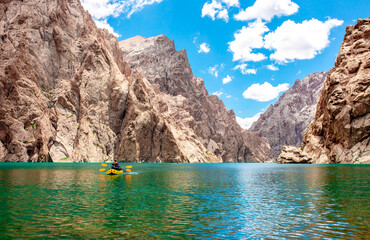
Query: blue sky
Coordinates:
[247,52]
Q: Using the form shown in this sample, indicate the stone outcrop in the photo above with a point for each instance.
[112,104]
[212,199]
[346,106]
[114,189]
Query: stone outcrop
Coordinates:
[201,114]
[285,122]
[67,94]
[341,128]
[291,154]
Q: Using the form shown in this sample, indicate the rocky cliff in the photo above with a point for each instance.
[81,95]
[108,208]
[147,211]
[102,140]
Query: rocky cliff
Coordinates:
[202,115]
[63,84]
[67,94]
[341,128]
[285,122]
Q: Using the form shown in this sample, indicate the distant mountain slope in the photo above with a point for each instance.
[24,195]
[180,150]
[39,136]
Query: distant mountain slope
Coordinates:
[205,115]
[285,122]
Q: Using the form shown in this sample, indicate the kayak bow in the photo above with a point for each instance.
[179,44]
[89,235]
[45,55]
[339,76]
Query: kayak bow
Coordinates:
[114,172]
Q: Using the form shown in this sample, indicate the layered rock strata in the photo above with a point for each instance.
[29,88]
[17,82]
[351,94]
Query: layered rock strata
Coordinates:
[341,128]
[291,154]
[285,122]
[201,114]
[68,95]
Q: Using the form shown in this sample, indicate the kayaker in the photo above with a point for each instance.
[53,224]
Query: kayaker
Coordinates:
[116,166]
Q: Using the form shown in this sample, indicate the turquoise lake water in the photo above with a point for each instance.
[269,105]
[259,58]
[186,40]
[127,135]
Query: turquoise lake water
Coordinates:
[178,201]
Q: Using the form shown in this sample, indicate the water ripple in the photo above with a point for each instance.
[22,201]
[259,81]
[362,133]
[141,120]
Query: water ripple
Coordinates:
[177,201]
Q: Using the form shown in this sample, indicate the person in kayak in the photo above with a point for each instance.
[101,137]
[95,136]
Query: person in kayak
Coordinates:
[116,166]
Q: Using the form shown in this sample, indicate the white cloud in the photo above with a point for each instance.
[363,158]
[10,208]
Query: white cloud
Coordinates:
[272,67]
[246,123]
[100,10]
[267,9]
[231,3]
[243,69]
[246,39]
[227,79]
[218,9]
[204,48]
[211,9]
[264,92]
[218,93]
[223,15]
[299,40]
[214,70]
[103,24]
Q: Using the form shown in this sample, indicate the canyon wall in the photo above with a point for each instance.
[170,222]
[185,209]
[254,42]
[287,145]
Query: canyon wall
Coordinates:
[285,122]
[204,115]
[341,128]
[68,95]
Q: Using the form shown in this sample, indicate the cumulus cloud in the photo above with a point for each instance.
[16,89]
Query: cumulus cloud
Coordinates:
[211,9]
[218,9]
[264,92]
[303,40]
[102,9]
[227,79]
[246,123]
[231,3]
[204,48]
[223,15]
[267,9]
[243,69]
[247,39]
[272,67]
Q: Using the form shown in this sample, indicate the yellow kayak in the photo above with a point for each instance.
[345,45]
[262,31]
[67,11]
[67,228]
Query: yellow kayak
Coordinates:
[114,172]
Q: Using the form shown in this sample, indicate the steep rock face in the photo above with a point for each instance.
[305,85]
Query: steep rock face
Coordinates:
[202,116]
[340,131]
[59,78]
[67,95]
[285,122]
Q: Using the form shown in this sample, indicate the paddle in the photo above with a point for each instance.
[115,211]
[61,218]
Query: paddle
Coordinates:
[104,165]
[129,166]
[102,169]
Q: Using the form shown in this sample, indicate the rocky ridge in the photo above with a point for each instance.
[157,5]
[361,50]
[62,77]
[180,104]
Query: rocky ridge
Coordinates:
[67,94]
[340,130]
[285,122]
[199,113]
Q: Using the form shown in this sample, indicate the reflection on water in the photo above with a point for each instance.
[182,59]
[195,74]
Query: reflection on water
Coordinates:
[185,201]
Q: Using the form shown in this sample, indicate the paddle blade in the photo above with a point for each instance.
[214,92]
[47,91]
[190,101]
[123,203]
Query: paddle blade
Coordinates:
[104,165]
[101,170]
[129,166]
[128,170]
